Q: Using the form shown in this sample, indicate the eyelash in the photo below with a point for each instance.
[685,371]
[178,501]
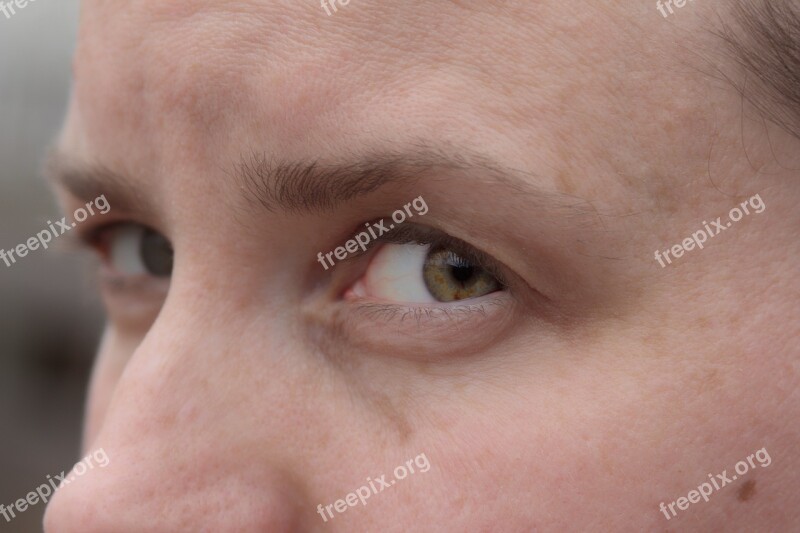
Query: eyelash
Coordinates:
[450,314]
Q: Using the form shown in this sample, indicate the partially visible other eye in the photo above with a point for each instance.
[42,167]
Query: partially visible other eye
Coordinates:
[135,250]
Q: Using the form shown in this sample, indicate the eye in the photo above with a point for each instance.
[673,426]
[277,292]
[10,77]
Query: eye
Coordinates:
[449,276]
[135,250]
[427,270]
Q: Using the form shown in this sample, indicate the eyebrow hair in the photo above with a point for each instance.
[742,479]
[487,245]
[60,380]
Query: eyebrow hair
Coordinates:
[87,181]
[317,187]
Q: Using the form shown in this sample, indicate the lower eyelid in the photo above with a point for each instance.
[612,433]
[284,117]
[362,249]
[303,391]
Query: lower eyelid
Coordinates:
[114,282]
[420,332]
[143,285]
[440,315]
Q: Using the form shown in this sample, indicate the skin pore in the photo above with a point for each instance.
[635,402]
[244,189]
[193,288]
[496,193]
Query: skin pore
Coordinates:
[560,144]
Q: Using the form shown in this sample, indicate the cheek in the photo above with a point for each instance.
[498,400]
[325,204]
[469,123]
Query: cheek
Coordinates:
[540,455]
[487,455]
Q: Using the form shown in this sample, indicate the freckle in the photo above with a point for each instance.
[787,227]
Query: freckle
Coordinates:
[747,491]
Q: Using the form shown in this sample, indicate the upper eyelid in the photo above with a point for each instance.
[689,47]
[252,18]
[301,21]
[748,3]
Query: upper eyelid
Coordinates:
[413,233]
[85,235]
[426,235]
[91,238]
[406,234]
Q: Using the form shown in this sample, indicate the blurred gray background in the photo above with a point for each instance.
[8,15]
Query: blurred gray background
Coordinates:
[50,316]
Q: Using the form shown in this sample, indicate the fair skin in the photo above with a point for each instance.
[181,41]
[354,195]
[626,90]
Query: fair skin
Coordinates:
[566,142]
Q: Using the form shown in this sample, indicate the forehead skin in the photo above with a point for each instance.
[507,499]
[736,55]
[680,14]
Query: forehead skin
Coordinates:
[586,425]
[301,85]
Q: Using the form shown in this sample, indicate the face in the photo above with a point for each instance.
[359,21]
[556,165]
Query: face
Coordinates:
[534,345]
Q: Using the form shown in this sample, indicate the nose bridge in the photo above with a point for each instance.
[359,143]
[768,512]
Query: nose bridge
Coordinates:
[183,376]
[171,433]
[157,395]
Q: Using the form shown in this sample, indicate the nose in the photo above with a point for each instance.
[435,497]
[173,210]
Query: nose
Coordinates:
[161,491]
[181,455]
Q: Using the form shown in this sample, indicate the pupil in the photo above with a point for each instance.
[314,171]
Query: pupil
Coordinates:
[462,273]
[156,254]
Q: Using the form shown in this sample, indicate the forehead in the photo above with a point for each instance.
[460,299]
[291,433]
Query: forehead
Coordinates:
[207,58]
[286,58]
[158,84]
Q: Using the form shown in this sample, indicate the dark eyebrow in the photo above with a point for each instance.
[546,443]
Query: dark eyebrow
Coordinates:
[87,181]
[319,187]
[312,186]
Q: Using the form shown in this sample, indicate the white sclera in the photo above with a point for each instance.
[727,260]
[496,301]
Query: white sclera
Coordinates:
[125,251]
[395,273]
